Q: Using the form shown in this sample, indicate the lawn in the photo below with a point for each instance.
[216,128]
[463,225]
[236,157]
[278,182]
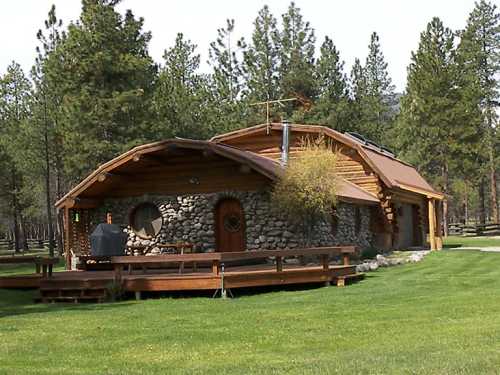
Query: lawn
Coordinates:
[16,269]
[458,241]
[440,316]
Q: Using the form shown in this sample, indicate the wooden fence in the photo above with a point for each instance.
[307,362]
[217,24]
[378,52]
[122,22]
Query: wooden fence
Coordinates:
[458,229]
[33,243]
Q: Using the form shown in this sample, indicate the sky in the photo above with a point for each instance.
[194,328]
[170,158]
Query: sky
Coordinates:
[348,22]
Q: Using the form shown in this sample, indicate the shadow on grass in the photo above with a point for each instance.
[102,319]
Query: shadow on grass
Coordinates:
[20,302]
[451,246]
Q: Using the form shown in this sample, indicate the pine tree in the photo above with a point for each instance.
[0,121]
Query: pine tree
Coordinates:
[358,93]
[14,110]
[433,129]
[332,105]
[226,65]
[108,79]
[180,98]
[227,78]
[479,54]
[261,59]
[41,135]
[330,72]
[375,95]
[296,55]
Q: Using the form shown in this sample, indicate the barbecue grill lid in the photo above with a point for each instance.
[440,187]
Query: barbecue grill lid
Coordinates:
[108,240]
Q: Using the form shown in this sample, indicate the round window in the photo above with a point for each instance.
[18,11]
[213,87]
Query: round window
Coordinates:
[146,220]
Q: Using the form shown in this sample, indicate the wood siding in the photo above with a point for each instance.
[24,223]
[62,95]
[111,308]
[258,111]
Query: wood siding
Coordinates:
[177,175]
[350,166]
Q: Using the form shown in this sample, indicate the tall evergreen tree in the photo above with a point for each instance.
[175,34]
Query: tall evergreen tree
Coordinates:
[41,135]
[479,54]
[358,93]
[181,96]
[227,78]
[296,55]
[14,110]
[376,94]
[227,70]
[108,82]
[433,130]
[261,58]
[332,105]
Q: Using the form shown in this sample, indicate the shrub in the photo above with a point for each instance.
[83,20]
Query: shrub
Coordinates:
[306,193]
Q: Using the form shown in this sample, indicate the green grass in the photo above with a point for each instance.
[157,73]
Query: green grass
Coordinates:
[457,241]
[440,316]
[19,269]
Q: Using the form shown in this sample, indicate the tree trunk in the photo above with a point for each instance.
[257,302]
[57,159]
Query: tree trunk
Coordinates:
[47,192]
[445,202]
[15,213]
[60,217]
[482,204]
[24,236]
[466,205]
[495,216]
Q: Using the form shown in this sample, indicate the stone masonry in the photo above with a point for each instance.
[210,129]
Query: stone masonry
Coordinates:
[191,218]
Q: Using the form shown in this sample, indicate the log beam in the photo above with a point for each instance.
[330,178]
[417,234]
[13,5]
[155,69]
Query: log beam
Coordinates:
[439,227]
[149,158]
[432,223]
[82,203]
[67,238]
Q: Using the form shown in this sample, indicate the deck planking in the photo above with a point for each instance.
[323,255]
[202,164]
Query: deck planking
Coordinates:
[171,280]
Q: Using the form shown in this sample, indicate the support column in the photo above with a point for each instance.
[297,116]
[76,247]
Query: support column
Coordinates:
[439,226]
[432,223]
[67,239]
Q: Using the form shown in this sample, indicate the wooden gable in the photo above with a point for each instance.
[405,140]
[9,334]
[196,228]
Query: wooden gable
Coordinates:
[267,142]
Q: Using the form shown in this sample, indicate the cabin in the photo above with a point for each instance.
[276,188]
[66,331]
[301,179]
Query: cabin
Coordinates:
[215,195]
[189,215]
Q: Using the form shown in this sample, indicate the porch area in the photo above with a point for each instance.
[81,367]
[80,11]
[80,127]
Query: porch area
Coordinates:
[217,272]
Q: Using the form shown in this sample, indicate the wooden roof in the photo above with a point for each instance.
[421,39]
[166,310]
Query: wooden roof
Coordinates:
[393,172]
[94,186]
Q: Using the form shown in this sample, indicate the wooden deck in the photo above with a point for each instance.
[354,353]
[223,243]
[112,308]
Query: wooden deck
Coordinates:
[96,285]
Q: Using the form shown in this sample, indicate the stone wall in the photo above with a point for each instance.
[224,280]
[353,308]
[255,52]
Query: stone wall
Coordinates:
[191,218]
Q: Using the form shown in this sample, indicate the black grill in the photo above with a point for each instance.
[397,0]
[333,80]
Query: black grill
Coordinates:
[108,240]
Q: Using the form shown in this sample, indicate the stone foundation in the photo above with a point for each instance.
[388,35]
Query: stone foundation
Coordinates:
[191,218]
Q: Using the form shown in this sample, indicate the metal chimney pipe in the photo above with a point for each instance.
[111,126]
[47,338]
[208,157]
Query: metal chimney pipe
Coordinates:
[285,142]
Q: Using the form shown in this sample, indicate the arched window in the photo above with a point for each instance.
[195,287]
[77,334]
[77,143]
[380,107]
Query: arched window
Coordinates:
[357,220]
[146,220]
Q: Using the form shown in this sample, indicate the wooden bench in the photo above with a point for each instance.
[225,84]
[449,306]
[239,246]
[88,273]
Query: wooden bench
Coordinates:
[44,264]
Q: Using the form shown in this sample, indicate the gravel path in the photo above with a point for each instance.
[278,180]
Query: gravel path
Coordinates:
[488,249]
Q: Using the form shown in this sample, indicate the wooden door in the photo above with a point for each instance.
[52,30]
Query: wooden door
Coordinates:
[229,226]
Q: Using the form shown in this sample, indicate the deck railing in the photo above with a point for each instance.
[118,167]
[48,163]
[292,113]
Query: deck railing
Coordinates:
[216,259]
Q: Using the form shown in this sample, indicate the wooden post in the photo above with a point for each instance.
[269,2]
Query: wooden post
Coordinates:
[215,267]
[432,223]
[67,239]
[341,281]
[439,227]
[118,273]
[345,258]
[279,264]
[325,261]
